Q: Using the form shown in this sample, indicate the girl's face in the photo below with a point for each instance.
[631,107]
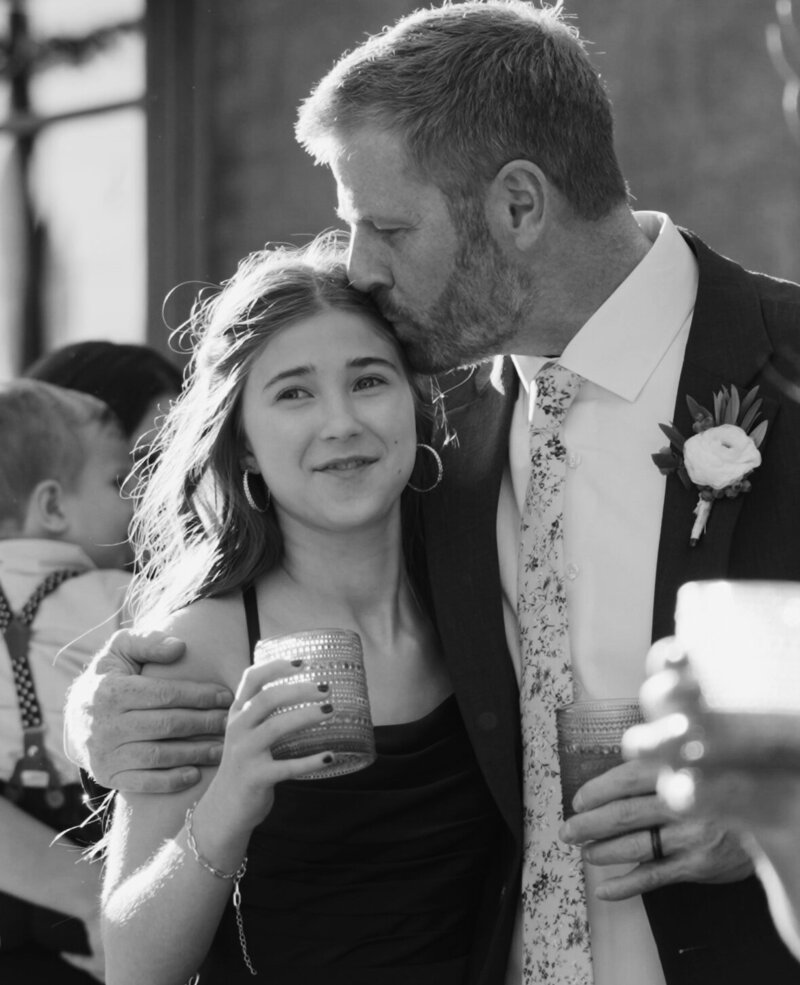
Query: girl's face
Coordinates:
[328,414]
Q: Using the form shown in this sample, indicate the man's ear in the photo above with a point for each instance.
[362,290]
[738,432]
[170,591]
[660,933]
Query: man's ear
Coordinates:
[46,508]
[516,203]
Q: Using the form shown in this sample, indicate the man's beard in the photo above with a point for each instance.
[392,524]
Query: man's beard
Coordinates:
[477,315]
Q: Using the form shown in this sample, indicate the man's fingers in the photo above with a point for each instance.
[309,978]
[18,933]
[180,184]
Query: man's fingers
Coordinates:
[634,847]
[681,837]
[628,780]
[694,851]
[166,755]
[157,781]
[147,693]
[126,651]
[161,724]
[642,879]
[613,820]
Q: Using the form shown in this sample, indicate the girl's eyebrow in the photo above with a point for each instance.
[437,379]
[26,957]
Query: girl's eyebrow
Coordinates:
[359,362]
[287,373]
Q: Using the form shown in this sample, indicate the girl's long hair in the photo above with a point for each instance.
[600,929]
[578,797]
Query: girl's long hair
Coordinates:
[193,532]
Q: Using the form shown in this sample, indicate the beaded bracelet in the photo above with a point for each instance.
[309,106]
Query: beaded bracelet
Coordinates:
[236,876]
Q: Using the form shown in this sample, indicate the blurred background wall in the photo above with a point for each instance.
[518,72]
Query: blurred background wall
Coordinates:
[701,131]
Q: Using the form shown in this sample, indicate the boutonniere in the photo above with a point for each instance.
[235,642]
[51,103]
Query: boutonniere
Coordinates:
[721,453]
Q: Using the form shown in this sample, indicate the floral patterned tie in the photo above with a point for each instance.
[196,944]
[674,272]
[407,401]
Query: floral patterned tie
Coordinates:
[556,943]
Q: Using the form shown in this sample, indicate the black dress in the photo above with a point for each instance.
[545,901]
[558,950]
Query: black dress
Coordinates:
[373,878]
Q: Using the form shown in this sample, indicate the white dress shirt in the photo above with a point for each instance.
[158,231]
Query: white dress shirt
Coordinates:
[70,627]
[630,353]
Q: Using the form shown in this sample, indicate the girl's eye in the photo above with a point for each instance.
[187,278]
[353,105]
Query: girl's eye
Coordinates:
[368,382]
[292,393]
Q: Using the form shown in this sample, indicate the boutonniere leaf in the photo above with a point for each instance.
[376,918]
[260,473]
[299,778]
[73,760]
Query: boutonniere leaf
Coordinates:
[721,453]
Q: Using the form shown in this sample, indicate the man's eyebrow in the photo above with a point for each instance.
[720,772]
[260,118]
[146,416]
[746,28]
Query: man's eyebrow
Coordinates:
[379,221]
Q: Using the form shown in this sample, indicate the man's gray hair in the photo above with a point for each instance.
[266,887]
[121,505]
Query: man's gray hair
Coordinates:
[468,87]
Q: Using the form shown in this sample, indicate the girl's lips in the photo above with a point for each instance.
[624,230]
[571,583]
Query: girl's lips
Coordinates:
[345,464]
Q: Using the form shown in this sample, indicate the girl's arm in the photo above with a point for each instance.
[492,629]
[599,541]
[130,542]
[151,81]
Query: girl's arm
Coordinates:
[161,906]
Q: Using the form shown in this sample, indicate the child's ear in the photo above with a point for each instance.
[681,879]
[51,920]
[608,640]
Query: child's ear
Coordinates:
[46,510]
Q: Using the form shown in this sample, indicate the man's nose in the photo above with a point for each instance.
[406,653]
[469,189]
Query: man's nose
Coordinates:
[366,268]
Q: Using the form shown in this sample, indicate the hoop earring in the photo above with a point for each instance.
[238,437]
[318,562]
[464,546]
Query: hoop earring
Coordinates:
[248,495]
[439,470]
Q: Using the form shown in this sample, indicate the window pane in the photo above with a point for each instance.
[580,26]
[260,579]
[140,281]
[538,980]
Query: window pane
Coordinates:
[84,176]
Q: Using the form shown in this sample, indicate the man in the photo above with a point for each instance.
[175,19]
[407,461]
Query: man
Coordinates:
[473,152]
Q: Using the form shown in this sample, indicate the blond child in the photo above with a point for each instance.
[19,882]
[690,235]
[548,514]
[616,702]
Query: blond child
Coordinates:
[63,548]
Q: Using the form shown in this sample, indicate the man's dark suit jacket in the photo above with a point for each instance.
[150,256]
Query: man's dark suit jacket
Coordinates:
[744,326]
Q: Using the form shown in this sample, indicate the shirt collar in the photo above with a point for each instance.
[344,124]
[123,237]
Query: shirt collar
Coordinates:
[38,557]
[619,347]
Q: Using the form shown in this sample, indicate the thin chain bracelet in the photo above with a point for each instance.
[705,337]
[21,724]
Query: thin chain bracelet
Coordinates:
[236,876]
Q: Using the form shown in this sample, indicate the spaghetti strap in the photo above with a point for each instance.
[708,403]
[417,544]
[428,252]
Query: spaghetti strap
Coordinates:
[251,615]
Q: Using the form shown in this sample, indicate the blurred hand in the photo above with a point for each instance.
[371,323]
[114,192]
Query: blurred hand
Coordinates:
[743,769]
[740,770]
[143,735]
[616,812]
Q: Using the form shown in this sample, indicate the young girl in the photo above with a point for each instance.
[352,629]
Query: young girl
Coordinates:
[278,489]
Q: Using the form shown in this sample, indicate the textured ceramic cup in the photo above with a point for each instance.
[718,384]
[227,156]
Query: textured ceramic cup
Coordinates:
[333,657]
[590,741]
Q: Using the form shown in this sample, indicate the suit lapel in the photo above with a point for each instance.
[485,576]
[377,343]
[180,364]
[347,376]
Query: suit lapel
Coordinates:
[460,529]
[727,345]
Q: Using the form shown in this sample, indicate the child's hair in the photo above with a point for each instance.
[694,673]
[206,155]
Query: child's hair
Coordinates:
[125,376]
[194,534]
[41,438]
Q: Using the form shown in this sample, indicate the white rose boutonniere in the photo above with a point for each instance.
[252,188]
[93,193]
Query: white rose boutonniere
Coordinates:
[720,455]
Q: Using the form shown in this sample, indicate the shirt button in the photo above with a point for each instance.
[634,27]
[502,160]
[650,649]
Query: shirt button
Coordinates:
[572,571]
[487,721]
[573,459]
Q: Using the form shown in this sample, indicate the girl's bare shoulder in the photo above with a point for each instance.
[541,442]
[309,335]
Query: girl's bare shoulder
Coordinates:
[215,633]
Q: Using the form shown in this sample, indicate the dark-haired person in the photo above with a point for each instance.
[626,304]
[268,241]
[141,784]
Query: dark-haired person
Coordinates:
[472,146]
[136,381]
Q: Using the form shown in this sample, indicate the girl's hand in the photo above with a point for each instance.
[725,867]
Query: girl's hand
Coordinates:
[273,700]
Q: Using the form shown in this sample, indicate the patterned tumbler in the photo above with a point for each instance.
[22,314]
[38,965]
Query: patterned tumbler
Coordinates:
[590,741]
[333,657]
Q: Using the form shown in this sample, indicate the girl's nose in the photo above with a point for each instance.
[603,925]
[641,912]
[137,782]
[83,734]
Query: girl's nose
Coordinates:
[340,420]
